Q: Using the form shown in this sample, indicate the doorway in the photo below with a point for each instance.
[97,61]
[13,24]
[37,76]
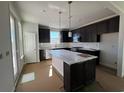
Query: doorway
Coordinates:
[30,47]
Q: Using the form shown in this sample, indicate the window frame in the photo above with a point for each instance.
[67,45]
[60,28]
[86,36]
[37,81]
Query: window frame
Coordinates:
[58,39]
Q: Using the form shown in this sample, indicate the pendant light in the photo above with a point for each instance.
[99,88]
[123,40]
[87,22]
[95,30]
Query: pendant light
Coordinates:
[69,33]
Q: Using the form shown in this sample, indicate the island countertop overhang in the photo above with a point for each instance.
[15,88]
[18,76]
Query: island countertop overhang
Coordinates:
[71,57]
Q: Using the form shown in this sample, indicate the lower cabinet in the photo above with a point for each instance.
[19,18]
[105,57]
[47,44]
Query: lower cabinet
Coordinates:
[95,53]
[61,48]
[42,55]
[79,74]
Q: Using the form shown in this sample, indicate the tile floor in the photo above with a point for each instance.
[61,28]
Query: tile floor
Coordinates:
[47,80]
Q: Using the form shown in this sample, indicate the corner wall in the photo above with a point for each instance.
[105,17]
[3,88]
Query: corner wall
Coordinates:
[120,65]
[6,68]
[109,50]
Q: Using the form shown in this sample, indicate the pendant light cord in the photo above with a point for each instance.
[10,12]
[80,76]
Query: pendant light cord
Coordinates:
[60,20]
[69,14]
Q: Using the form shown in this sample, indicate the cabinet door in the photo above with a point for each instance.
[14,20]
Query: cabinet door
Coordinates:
[90,70]
[102,27]
[91,33]
[64,37]
[113,24]
[44,35]
[82,35]
[42,55]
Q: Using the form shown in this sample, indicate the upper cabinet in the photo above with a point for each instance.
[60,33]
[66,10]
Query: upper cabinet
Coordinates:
[108,26]
[44,35]
[102,27]
[113,24]
[91,33]
[85,34]
[65,37]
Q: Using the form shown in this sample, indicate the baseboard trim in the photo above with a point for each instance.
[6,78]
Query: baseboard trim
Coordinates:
[17,80]
[58,74]
[107,65]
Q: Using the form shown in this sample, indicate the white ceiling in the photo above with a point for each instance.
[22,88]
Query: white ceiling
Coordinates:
[83,12]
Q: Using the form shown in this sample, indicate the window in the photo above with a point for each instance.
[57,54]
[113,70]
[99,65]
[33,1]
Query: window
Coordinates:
[55,37]
[14,47]
[20,39]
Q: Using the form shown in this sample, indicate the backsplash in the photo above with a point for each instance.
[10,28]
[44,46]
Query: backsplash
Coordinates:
[63,45]
[86,45]
[51,46]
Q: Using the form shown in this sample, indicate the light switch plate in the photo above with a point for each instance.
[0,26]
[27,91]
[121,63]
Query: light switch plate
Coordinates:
[1,56]
[7,53]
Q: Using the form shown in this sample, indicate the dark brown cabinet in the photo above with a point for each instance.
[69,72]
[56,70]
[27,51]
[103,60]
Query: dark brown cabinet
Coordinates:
[91,33]
[102,27]
[65,37]
[108,26]
[86,34]
[44,35]
[79,74]
[42,55]
[83,35]
[113,24]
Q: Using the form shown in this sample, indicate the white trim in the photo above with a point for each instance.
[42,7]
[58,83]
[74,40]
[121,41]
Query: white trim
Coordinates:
[117,7]
[107,65]
[13,90]
[96,21]
[17,80]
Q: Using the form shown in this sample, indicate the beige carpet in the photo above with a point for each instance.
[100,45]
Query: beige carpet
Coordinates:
[46,80]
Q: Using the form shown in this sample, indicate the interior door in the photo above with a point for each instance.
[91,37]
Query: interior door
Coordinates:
[30,47]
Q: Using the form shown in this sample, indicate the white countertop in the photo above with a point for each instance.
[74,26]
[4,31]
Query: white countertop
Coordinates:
[70,57]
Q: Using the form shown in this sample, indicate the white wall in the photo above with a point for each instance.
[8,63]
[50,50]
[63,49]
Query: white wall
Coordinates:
[6,68]
[109,49]
[120,68]
[120,10]
[7,82]
[32,27]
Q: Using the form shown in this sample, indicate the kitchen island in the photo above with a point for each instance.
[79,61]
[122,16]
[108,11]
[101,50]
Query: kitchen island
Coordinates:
[77,69]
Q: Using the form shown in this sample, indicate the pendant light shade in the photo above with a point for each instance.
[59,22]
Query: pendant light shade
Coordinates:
[69,34]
